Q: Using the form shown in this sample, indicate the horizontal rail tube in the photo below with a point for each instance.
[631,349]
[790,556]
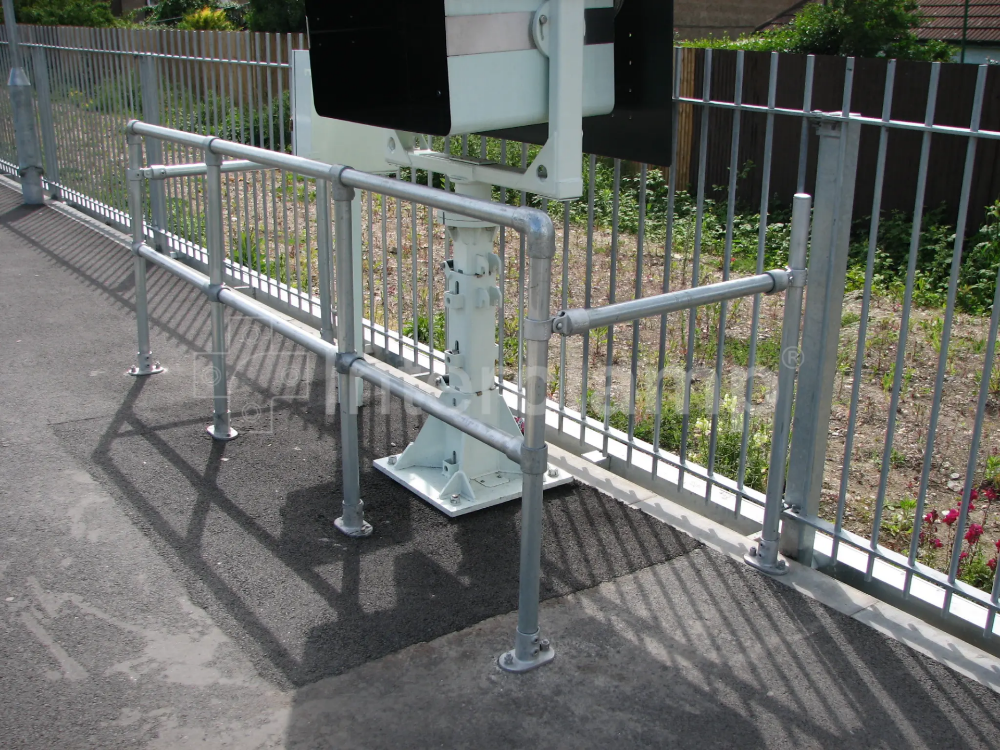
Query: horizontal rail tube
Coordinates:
[194,278]
[165,172]
[428,403]
[579,320]
[520,218]
[509,445]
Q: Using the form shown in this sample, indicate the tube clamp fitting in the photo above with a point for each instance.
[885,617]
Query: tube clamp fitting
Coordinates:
[781,280]
[537,330]
[214,290]
[133,175]
[345,360]
[797,277]
[534,460]
[340,191]
[137,246]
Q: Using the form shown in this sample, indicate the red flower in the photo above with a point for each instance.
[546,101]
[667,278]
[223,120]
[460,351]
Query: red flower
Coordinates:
[929,518]
[990,494]
[951,516]
[974,495]
[972,535]
[997,545]
[938,544]
[992,563]
[963,556]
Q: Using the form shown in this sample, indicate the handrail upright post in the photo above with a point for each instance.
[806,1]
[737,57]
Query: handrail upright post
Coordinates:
[530,649]
[220,429]
[352,521]
[144,358]
[764,555]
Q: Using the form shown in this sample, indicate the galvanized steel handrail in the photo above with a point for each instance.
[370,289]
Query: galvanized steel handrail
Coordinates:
[578,320]
[529,451]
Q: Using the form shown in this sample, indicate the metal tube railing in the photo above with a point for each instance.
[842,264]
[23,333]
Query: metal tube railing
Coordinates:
[764,556]
[576,321]
[531,452]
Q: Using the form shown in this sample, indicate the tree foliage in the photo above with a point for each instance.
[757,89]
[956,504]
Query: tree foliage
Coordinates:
[282,16]
[206,19]
[63,12]
[858,28]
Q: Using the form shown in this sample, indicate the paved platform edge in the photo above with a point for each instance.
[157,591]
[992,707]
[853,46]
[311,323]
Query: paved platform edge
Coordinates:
[890,621]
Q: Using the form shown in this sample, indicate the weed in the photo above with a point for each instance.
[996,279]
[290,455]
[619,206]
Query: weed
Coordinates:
[423,333]
[849,319]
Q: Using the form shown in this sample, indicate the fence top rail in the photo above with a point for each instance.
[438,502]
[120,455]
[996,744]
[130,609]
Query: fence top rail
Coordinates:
[161,55]
[534,223]
[821,116]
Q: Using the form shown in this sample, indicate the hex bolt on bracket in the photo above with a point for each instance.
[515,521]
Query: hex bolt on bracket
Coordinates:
[154,369]
[538,651]
[764,557]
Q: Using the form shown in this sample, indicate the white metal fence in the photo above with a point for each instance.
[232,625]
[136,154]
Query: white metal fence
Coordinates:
[894,463]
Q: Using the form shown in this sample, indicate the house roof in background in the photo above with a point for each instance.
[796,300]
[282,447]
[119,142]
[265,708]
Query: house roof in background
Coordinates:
[944,20]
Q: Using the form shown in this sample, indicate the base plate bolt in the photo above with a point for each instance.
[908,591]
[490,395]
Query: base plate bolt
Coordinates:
[508,658]
[553,473]
[392,461]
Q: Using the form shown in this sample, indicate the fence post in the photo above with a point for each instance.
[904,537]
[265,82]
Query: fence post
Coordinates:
[530,649]
[149,82]
[220,429]
[40,66]
[764,555]
[836,171]
[352,521]
[144,359]
[29,157]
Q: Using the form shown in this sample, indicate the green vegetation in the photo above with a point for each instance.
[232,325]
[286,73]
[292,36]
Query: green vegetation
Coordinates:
[859,28]
[729,431]
[282,16]
[206,19]
[64,12]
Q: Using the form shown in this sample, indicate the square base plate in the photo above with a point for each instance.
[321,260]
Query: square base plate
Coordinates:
[427,483]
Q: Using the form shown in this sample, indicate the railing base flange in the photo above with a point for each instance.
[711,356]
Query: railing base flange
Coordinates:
[778,568]
[353,532]
[136,372]
[216,435]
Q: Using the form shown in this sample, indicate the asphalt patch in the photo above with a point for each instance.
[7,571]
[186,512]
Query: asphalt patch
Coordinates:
[248,526]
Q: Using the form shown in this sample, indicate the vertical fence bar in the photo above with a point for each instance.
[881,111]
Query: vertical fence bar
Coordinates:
[764,555]
[144,359]
[904,323]
[150,83]
[946,329]
[352,521]
[220,429]
[39,61]
[836,172]
[530,650]
[29,158]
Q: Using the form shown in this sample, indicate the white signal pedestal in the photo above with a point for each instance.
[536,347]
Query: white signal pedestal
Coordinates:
[456,473]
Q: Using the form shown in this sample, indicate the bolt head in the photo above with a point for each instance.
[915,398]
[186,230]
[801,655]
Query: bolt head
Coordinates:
[553,473]
[544,645]
[392,461]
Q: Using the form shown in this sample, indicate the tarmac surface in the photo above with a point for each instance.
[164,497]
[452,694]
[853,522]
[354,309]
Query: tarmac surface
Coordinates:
[162,590]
